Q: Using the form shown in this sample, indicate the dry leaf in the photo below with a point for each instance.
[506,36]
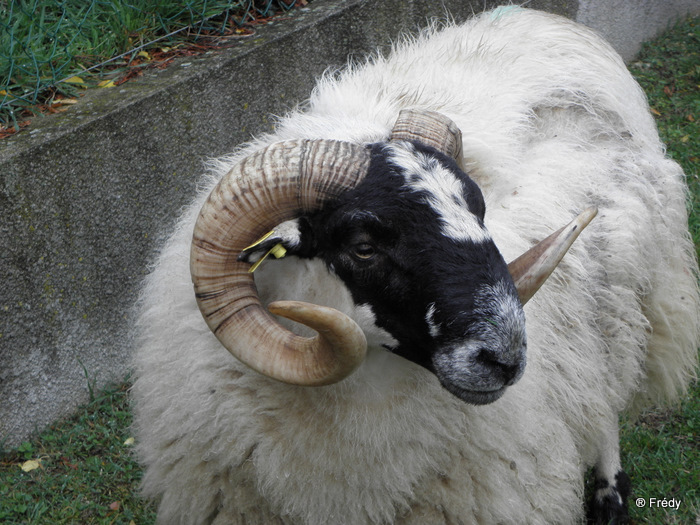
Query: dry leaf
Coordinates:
[655,112]
[64,101]
[114,505]
[74,80]
[106,84]
[30,465]
[129,442]
[144,54]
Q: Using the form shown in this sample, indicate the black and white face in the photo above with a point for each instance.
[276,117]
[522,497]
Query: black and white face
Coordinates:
[409,243]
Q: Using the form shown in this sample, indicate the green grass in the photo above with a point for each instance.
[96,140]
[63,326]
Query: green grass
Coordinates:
[86,474]
[44,42]
[661,453]
[86,466]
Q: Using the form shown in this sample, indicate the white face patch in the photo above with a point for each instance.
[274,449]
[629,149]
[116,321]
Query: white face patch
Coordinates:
[289,233]
[444,192]
[376,336]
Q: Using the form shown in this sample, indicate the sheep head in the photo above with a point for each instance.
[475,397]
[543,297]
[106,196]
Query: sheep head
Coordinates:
[421,259]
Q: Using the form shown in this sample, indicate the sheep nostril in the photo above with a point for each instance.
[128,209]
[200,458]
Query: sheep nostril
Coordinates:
[497,364]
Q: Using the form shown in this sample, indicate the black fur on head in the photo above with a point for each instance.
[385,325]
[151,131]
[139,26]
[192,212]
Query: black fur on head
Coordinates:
[410,243]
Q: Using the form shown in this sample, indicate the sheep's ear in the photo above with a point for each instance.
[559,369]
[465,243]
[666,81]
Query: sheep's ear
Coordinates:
[289,238]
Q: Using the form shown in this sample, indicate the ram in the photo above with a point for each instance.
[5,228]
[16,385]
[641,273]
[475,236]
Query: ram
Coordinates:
[391,384]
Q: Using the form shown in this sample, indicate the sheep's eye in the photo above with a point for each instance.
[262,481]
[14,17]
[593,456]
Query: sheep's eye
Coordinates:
[363,251]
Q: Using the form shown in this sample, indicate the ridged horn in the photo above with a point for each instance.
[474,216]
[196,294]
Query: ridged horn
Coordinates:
[430,128]
[278,183]
[531,269]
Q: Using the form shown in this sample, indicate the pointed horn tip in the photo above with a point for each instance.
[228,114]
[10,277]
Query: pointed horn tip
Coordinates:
[587,215]
[531,269]
[337,330]
[293,310]
[320,318]
[581,221]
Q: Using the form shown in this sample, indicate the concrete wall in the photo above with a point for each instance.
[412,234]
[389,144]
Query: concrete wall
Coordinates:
[626,24]
[86,197]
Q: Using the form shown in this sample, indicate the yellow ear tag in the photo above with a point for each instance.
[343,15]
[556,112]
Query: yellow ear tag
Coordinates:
[260,240]
[278,251]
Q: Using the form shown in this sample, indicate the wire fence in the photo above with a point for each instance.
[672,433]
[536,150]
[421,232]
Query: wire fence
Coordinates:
[49,47]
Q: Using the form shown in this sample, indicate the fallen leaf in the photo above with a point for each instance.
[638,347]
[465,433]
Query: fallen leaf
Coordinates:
[690,117]
[685,139]
[106,84]
[64,101]
[129,441]
[144,54]
[74,80]
[655,112]
[114,505]
[30,465]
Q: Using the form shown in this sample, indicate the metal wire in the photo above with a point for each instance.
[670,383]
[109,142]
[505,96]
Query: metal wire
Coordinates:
[44,43]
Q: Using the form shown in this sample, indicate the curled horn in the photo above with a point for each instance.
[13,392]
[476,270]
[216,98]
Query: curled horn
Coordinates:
[278,183]
[432,129]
